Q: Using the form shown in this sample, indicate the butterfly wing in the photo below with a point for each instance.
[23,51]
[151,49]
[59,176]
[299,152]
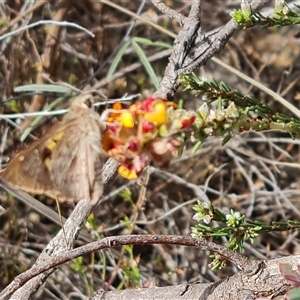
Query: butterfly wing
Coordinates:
[75,160]
[66,162]
[28,171]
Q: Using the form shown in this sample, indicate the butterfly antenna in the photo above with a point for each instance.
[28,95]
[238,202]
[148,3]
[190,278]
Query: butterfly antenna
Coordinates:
[61,221]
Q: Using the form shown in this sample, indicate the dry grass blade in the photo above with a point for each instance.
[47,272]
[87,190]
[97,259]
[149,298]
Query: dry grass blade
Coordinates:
[255,175]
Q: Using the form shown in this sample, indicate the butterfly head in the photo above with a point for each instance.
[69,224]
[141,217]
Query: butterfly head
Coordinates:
[85,102]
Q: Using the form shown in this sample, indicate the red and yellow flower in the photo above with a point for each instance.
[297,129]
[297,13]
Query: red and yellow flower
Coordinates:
[148,130]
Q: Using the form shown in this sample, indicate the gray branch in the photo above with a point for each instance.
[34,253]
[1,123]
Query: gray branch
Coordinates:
[191,48]
[267,282]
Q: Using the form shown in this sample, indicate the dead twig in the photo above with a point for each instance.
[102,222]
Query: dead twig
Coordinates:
[241,261]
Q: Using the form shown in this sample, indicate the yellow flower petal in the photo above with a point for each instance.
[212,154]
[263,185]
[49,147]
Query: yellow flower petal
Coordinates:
[127,119]
[127,173]
[159,113]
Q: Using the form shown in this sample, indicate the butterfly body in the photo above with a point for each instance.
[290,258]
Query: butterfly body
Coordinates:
[66,162]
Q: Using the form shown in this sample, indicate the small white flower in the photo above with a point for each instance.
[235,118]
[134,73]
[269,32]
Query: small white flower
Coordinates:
[208,131]
[205,204]
[207,219]
[212,114]
[203,111]
[229,217]
[196,217]
[246,8]
[279,5]
[237,215]
[285,10]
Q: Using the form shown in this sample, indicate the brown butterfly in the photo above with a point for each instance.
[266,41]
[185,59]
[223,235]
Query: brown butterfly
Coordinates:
[66,162]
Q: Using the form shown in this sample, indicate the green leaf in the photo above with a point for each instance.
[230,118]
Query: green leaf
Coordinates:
[117,59]
[180,103]
[294,294]
[126,194]
[148,42]
[196,146]
[52,88]
[136,275]
[144,60]
[13,106]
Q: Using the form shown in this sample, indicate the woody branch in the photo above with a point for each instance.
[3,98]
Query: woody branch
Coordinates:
[191,49]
